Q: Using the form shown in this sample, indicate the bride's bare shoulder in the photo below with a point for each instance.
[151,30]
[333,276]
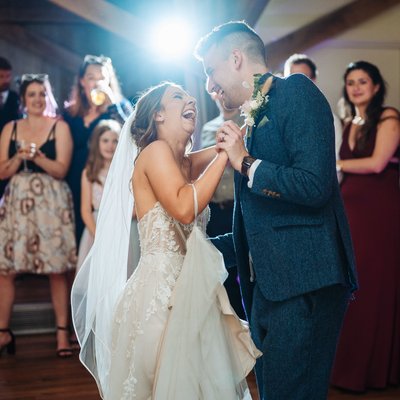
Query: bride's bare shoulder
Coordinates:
[156,153]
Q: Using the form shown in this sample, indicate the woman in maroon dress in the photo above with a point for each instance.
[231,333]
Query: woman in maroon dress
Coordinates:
[368,354]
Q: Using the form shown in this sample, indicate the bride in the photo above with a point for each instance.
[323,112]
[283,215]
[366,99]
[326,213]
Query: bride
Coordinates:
[168,332]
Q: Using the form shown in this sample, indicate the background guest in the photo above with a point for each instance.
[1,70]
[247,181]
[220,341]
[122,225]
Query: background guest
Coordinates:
[36,219]
[96,95]
[102,145]
[221,205]
[368,352]
[302,64]
[9,102]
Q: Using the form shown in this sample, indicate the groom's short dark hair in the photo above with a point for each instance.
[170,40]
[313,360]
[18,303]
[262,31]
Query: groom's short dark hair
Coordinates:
[233,34]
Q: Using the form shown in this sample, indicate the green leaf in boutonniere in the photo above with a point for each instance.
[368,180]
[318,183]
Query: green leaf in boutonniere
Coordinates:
[251,109]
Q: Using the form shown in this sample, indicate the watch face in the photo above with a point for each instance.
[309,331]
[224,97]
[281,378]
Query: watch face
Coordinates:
[247,160]
[246,164]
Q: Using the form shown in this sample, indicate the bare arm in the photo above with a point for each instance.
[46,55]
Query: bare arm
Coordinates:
[86,204]
[8,166]
[169,185]
[387,141]
[58,168]
[200,160]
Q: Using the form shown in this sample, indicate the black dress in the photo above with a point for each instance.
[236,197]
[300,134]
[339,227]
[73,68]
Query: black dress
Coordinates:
[81,135]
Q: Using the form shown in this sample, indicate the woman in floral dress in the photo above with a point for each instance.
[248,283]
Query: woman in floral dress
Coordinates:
[36,217]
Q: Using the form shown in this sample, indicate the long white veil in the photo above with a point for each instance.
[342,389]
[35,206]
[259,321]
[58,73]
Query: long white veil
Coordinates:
[103,275]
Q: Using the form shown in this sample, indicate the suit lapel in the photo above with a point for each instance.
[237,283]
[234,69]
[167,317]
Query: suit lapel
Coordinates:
[251,129]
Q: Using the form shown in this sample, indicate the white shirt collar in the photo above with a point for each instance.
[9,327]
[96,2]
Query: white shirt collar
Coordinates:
[5,95]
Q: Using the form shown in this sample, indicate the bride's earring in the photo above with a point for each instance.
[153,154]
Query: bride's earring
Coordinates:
[246,85]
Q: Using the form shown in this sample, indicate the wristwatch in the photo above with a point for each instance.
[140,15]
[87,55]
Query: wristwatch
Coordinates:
[246,164]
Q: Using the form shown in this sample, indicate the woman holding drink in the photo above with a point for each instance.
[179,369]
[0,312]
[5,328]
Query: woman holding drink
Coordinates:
[36,221]
[96,95]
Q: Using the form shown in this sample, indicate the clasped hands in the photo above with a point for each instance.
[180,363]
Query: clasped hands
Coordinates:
[29,152]
[229,138]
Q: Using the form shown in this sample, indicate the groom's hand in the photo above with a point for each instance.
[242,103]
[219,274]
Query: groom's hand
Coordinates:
[230,139]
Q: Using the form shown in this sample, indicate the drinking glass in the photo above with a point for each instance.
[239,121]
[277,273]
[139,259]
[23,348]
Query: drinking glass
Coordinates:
[98,96]
[27,148]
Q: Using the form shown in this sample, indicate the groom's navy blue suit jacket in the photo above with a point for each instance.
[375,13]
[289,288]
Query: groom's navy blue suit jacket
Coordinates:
[292,219]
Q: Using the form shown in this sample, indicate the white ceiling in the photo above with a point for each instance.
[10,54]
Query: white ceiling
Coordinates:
[281,17]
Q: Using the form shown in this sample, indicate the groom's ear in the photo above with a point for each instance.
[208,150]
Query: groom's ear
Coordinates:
[237,57]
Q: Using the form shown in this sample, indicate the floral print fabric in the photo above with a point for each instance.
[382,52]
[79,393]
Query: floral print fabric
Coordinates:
[36,226]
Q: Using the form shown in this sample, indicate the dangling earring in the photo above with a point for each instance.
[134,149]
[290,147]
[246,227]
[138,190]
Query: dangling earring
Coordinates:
[246,85]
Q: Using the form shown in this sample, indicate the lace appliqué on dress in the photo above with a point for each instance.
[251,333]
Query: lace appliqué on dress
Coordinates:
[143,307]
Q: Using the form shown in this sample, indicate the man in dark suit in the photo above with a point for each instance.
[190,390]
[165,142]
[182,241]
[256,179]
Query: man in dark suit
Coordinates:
[290,239]
[9,102]
[221,205]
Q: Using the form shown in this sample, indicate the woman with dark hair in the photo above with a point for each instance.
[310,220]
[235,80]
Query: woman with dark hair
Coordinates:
[96,95]
[36,216]
[368,353]
[167,333]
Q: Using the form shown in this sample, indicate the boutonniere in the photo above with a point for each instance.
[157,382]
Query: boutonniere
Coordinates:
[252,108]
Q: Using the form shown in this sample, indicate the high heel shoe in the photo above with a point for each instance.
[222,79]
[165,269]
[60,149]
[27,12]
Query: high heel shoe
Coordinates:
[67,351]
[10,346]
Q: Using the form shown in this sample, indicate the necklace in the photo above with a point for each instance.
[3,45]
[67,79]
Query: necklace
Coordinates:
[357,120]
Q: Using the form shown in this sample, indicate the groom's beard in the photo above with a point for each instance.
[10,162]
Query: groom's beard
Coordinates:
[229,104]
[235,97]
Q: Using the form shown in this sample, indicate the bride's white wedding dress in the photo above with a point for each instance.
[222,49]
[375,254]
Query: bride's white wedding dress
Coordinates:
[174,334]
[169,332]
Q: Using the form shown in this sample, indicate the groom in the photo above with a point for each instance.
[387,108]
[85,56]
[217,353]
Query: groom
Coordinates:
[290,237]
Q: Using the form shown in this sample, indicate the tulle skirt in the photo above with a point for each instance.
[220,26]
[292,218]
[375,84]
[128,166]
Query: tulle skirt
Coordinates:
[175,335]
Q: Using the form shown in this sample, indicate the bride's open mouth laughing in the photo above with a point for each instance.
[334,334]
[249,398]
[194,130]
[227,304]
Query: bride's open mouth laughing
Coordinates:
[190,115]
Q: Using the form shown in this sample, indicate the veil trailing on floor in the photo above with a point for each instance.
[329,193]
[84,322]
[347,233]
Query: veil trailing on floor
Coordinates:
[103,275]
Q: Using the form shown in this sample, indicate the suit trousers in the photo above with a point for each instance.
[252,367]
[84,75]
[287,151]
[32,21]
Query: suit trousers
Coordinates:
[298,338]
[219,224]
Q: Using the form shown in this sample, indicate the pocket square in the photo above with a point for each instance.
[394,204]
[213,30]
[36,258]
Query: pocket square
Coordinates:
[263,121]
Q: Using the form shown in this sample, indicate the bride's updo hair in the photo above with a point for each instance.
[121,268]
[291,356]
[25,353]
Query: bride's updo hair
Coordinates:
[143,128]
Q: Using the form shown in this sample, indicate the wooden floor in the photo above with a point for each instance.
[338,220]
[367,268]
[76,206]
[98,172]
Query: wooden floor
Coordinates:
[35,373]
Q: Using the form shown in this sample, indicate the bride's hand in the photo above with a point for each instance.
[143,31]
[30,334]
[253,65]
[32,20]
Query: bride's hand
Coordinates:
[230,139]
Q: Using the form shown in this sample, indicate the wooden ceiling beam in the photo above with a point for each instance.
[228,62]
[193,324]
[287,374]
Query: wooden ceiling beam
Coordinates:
[109,17]
[252,11]
[35,15]
[40,46]
[326,27]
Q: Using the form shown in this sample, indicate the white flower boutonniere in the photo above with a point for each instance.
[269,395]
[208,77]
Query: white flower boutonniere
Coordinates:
[252,108]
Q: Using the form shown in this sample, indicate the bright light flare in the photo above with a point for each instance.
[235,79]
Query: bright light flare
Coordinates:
[172,39]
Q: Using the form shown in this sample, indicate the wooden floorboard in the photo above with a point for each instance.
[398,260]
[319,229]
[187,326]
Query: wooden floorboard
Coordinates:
[35,373]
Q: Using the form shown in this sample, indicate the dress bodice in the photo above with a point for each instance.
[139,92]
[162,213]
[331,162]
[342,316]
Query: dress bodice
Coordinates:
[48,148]
[160,233]
[347,153]
[97,192]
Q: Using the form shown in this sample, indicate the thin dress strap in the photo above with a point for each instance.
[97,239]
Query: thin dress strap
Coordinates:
[196,209]
[52,133]
[14,132]
[196,205]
